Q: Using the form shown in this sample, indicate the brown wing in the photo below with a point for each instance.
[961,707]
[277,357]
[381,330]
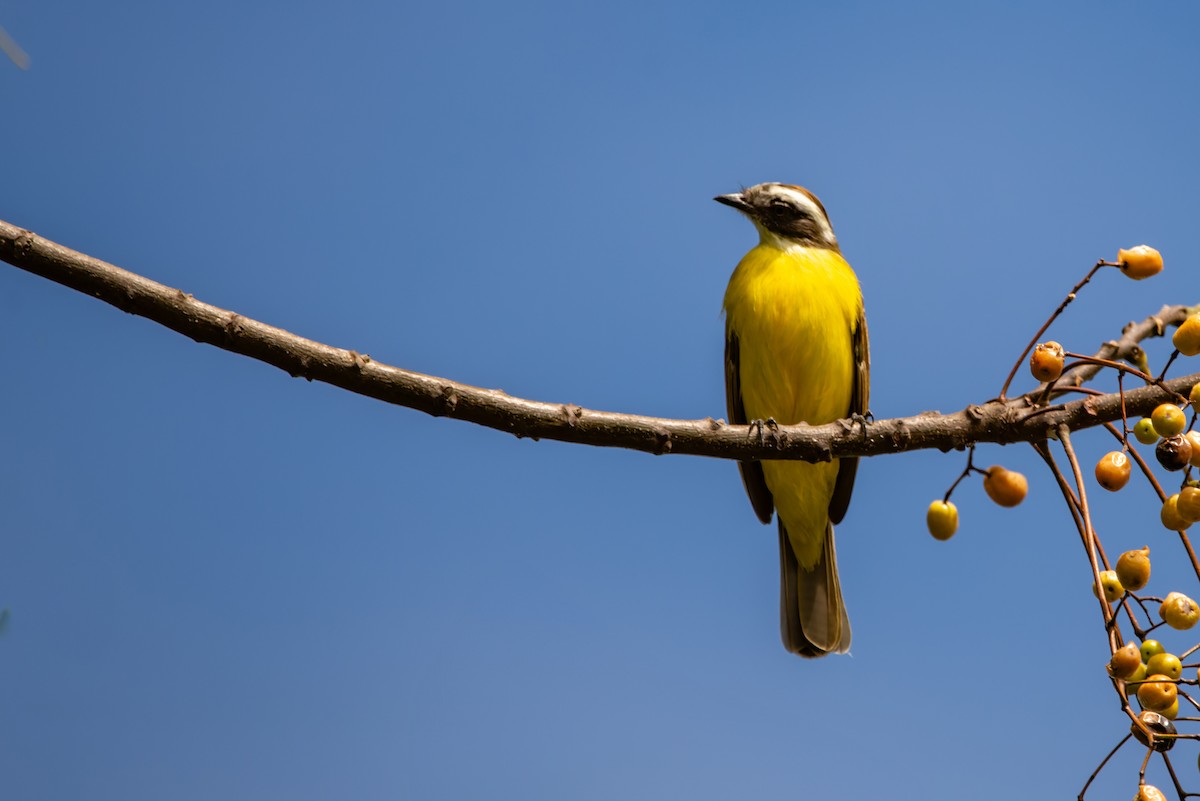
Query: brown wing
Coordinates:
[858,405]
[752,472]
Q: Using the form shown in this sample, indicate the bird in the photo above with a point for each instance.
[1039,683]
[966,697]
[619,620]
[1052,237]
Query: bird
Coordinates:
[796,351]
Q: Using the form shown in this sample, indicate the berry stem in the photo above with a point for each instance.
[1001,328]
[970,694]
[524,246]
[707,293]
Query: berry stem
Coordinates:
[1061,307]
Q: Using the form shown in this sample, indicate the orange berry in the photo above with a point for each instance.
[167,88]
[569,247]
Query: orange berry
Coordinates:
[1188,504]
[1133,569]
[1170,713]
[1170,516]
[1005,487]
[1193,438]
[1046,363]
[1148,792]
[1186,338]
[1157,693]
[1112,471]
[1140,262]
[1125,661]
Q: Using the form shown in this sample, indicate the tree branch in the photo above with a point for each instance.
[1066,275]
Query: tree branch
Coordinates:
[1015,420]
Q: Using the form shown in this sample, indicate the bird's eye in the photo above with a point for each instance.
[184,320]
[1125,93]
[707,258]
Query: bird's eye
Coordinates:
[782,209]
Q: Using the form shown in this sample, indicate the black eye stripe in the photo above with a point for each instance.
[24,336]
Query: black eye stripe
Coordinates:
[782,208]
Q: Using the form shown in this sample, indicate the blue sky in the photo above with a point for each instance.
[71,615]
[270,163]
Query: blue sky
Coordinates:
[225,582]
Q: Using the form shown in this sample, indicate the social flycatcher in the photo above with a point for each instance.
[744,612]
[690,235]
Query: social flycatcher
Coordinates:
[796,352]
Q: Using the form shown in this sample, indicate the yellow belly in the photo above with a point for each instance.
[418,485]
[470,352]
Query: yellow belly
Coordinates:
[794,312]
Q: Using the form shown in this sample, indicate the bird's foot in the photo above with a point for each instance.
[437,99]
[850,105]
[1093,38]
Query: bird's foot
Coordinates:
[860,420]
[768,431]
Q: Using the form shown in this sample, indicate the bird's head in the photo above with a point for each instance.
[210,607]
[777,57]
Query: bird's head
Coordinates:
[784,212]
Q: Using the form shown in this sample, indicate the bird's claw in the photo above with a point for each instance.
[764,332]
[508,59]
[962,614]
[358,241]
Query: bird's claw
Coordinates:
[768,430]
[861,420]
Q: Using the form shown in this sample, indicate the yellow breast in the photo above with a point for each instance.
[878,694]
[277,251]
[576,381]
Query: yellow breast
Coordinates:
[794,312]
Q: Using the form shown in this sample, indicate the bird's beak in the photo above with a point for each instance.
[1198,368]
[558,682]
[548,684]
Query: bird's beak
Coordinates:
[736,201]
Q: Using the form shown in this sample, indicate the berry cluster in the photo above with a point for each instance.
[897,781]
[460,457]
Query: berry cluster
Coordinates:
[1141,669]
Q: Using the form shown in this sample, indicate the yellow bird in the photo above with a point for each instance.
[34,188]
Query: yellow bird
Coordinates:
[796,352]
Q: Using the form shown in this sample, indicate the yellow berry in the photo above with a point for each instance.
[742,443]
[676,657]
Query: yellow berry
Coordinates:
[1188,504]
[1157,693]
[1168,420]
[1111,584]
[942,519]
[1140,262]
[1125,661]
[1170,516]
[1194,395]
[1186,338]
[1143,431]
[1179,611]
[1112,471]
[1133,569]
[1151,647]
[1005,487]
[1166,664]
[1046,363]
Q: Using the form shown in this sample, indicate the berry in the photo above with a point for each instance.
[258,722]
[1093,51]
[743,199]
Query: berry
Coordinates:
[1125,661]
[1111,584]
[1193,438]
[1157,693]
[1112,471]
[1187,336]
[1151,647]
[1170,713]
[1170,516]
[1194,395]
[1157,724]
[1148,792]
[1046,363]
[1168,420]
[1133,569]
[1174,452]
[1143,431]
[1140,262]
[1179,611]
[1188,504]
[1005,487]
[1166,664]
[942,519]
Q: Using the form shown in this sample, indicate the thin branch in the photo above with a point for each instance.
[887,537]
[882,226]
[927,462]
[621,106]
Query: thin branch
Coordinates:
[1016,420]
[1053,316]
[1089,534]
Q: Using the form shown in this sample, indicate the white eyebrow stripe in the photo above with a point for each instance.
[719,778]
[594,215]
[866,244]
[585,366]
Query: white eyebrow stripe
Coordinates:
[805,202]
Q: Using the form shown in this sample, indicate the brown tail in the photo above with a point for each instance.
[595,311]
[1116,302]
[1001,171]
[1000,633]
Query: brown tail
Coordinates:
[812,617]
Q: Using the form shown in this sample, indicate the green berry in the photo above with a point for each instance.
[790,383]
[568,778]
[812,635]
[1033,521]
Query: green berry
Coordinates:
[1143,431]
